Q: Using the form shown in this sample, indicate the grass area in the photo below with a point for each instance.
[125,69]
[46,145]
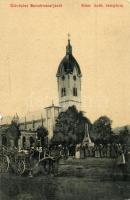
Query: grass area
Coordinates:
[93,168]
[62,188]
[86,179]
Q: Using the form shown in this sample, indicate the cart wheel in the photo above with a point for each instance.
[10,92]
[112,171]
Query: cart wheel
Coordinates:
[20,167]
[48,165]
[4,164]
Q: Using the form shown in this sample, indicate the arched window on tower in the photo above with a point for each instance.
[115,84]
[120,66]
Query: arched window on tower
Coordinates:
[63,92]
[75,91]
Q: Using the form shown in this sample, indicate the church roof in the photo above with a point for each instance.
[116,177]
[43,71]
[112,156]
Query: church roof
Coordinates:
[68,63]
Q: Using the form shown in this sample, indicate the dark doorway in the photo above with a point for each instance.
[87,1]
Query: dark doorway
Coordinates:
[4,140]
[24,141]
[31,141]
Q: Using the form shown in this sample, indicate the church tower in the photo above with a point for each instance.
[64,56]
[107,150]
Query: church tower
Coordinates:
[69,80]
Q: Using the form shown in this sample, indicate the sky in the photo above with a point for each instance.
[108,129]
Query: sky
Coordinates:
[33,42]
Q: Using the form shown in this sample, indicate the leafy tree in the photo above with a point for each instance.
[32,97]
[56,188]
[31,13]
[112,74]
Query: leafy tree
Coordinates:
[123,136]
[42,134]
[101,131]
[70,127]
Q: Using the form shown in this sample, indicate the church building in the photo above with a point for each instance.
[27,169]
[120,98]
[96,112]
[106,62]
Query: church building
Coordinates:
[69,91]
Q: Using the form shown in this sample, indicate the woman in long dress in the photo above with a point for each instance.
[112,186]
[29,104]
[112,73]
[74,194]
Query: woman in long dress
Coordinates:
[77,151]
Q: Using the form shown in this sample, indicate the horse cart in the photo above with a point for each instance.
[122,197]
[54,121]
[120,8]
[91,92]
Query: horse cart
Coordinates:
[28,161]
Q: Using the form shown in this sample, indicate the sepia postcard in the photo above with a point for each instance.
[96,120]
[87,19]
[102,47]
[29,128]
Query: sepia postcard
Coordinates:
[64,99]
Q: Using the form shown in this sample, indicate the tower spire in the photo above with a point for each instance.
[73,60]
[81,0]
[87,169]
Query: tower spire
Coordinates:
[68,37]
[68,47]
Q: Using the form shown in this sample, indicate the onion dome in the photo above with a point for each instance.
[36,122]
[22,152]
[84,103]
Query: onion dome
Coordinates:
[68,63]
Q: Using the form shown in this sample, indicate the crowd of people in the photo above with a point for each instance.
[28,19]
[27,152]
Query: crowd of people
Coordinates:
[81,151]
[98,151]
[102,151]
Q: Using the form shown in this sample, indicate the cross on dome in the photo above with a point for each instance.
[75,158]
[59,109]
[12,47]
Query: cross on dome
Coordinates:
[68,36]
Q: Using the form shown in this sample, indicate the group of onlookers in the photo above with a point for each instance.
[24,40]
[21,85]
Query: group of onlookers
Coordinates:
[80,151]
[102,151]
